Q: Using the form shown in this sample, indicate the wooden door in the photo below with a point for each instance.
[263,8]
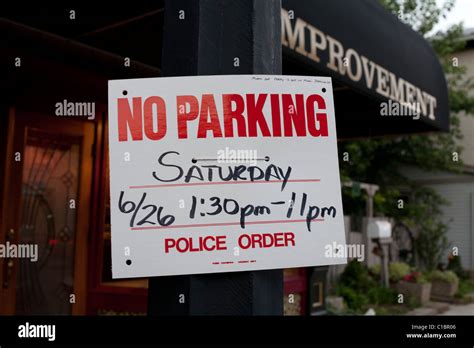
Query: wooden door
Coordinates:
[46,203]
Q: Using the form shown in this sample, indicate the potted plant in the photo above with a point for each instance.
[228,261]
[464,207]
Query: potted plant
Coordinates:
[396,270]
[415,286]
[444,285]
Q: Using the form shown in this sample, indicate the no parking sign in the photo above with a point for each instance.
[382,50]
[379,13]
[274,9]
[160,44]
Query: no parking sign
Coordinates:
[222,173]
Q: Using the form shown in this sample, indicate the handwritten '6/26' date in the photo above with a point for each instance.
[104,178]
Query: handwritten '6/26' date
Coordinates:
[150,212]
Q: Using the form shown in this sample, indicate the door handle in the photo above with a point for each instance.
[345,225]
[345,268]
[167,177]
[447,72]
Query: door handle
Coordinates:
[9,264]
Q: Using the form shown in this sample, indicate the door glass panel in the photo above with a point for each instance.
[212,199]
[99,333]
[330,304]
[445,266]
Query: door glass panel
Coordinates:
[48,220]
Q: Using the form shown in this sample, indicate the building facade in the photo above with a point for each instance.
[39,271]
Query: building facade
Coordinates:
[53,119]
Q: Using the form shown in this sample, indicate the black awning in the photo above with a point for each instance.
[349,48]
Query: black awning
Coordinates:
[368,52]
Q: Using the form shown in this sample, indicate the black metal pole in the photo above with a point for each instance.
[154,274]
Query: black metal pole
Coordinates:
[216,37]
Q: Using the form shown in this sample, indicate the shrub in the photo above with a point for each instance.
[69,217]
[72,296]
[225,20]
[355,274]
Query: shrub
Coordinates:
[359,289]
[379,296]
[431,243]
[356,276]
[396,270]
[446,276]
[466,286]
[354,299]
[375,270]
[354,283]
[455,265]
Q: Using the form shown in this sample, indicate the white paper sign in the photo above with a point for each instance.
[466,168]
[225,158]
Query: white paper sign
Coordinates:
[223,173]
